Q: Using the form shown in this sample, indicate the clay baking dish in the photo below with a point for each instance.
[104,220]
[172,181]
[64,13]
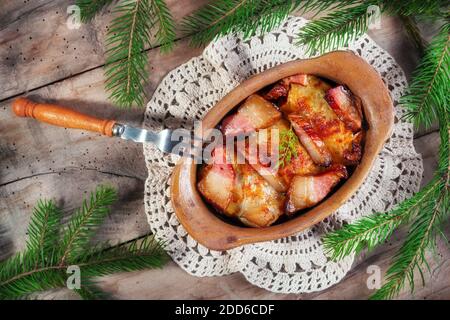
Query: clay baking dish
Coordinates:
[342,67]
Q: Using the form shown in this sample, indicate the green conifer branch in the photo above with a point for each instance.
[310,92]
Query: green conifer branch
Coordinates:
[249,17]
[136,255]
[40,268]
[89,8]
[165,35]
[84,223]
[335,30]
[43,230]
[128,38]
[411,256]
[430,85]
[368,232]
[429,208]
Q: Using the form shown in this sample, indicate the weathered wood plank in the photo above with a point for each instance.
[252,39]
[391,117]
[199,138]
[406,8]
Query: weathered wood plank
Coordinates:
[127,218]
[37,47]
[39,160]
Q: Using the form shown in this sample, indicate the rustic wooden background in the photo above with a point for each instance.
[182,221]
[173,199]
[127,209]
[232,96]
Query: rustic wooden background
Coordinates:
[42,58]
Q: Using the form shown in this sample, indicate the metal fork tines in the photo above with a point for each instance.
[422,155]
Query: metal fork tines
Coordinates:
[177,141]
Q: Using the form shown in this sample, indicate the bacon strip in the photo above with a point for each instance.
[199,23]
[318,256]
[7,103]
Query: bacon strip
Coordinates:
[297,78]
[311,140]
[217,180]
[255,113]
[345,105]
[305,192]
[278,91]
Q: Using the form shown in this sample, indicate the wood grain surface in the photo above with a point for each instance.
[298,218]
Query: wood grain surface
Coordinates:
[42,58]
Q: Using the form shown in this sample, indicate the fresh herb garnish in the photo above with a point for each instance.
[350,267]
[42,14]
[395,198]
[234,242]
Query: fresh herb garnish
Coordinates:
[287,149]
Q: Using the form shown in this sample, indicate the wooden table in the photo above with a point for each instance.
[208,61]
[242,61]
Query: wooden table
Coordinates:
[44,59]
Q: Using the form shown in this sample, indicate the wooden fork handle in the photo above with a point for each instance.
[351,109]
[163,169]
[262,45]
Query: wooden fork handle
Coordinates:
[61,116]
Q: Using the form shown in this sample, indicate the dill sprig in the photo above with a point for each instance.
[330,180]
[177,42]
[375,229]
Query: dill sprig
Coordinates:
[287,148]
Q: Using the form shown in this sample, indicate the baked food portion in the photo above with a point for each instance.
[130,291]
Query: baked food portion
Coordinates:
[302,135]
[255,113]
[238,191]
[306,191]
[306,106]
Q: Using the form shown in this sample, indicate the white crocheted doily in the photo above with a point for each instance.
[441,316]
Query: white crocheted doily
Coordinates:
[297,263]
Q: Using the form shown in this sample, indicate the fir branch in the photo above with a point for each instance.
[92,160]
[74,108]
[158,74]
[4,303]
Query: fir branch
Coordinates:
[335,30]
[165,35]
[89,8]
[85,221]
[128,37]
[413,7]
[136,255]
[350,20]
[126,63]
[249,17]
[21,275]
[43,227]
[411,256]
[37,270]
[430,86]
[91,291]
[370,231]
[219,18]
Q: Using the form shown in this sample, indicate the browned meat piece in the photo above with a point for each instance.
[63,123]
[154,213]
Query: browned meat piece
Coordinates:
[306,191]
[217,181]
[237,190]
[310,139]
[260,205]
[346,106]
[278,91]
[255,113]
[297,79]
[309,103]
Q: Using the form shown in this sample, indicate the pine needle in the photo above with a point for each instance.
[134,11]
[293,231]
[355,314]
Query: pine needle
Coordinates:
[165,34]
[336,30]
[411,256]
[430,86]
[43,229]
[136,255]
[128,37]
[21,275]
[89,8]
[249,17]
[85,221]
[42,267]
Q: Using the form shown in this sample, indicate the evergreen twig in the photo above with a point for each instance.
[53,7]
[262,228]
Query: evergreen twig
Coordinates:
[43,230]
[128,38]
[89,8]
[249,17]
[40,268]
[84,223]
[335,30]
[427,98]
[368,232]
[430,85]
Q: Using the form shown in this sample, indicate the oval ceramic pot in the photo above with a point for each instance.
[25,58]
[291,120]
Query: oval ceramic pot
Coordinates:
[342,67]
